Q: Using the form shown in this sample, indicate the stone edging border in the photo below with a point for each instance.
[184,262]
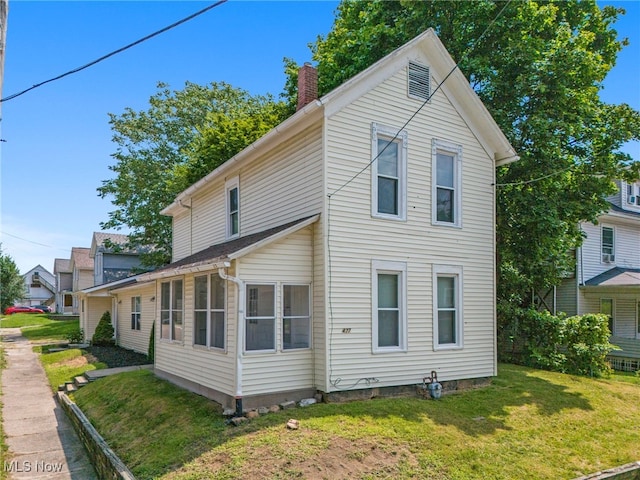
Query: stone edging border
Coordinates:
[104,460]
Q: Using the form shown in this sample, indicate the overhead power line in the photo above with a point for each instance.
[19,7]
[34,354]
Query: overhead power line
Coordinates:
[115,52]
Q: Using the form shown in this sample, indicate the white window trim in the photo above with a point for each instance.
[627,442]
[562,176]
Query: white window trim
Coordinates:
[275,318]
[402,139]
[456,272]
[209,310]
[136,312]
[441,146]
[400,268]
[613,247]
[228,186]
[282,349]
[160,310]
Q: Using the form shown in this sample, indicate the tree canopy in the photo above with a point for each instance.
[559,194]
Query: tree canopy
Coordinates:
[539,68]
[181,137]
[12,286]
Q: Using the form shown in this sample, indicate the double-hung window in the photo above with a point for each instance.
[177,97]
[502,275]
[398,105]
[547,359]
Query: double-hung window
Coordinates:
[232,189]
[136,311]
[171,310]
[608,245]
[447,184]
[389,172]
[296,324]
[209,311]
[260,318]
[606,308]
[447,307]
[389,326]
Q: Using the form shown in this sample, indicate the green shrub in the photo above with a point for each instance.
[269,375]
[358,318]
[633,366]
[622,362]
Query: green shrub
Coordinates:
[577,345]
[151,353]
[77,336]
[103,335]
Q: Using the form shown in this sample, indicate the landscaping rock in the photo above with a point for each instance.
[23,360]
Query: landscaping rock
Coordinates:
[274,409]
[287,405]
[238,420]
[293,424]
[263,410]
[252,414]
[305,402]
[229,412]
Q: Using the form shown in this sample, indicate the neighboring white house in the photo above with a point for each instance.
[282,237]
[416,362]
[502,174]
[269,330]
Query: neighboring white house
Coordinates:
[607,276]
[39,286]
[346,250]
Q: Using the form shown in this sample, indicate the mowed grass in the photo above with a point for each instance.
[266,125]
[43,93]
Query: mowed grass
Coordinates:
[529,424]
[61,367]
[39,328]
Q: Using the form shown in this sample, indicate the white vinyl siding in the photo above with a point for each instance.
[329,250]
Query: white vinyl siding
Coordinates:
[388,172]
[137,340]
[181,244]
[355,238]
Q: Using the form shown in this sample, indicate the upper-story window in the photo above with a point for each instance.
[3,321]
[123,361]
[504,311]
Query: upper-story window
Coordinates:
[389,173]
[232,189]
[633,195]
[607,245]
[446,184]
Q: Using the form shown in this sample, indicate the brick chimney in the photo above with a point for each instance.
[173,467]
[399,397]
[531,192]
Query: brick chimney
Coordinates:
[307,85]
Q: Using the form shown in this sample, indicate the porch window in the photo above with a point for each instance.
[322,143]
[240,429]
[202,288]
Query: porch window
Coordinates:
[389,306]
[447,308]
[209,311]
[296,324]
[260,318]
[135,313]
[606,308]
[171,310]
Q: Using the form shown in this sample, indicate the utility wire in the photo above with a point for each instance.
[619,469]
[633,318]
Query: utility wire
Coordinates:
[115,52]
[35,243]
[431,94]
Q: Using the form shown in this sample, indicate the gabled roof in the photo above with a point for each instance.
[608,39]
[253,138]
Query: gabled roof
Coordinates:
[40,269]
[80,258]
[98,239]
[219,255]
[616,277]
[456,88]
[62,265]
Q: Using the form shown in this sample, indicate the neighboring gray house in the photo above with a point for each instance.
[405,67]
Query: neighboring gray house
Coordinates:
[111,264]
[64,285]
[607,277]
[39,286]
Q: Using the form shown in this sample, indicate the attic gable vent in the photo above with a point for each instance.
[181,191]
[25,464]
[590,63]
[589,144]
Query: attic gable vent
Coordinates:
[419,84]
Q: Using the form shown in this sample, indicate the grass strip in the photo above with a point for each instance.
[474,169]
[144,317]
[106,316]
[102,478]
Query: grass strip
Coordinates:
[61,367]
[529,424]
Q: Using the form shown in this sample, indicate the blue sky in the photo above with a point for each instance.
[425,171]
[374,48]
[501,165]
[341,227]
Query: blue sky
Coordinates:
[58,140]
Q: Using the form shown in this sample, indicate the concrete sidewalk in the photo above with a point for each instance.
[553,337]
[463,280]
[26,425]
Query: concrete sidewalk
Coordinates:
[42,442]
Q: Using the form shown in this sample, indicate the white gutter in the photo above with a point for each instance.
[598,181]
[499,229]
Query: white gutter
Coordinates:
[239,336]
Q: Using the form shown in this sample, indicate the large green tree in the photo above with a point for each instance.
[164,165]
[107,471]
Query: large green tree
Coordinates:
[539,68]
[12,286]
[182,136]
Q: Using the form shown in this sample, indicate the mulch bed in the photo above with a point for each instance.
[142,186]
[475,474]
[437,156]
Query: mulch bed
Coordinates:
[117,357]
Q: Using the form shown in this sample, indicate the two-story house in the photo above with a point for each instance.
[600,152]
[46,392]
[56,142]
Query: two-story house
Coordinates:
[350,250]
[64,285]
[110,264]
[81,265]
[607,276]
[39,286]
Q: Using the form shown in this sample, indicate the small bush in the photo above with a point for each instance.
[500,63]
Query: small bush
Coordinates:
[103,335]
[151,353]
[77,336]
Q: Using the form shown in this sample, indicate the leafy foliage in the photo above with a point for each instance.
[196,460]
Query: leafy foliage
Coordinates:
[77,336]
[104,331]
[11,283]
[538,67]
[577,344]
[151,351]
[182,136]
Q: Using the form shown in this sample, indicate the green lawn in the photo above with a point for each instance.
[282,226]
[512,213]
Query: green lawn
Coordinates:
[61,367]
[39,328]
[529,424]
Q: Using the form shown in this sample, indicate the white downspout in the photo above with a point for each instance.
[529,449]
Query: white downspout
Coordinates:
[239,336]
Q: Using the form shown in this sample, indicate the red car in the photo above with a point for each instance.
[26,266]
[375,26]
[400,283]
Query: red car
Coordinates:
[21,309]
